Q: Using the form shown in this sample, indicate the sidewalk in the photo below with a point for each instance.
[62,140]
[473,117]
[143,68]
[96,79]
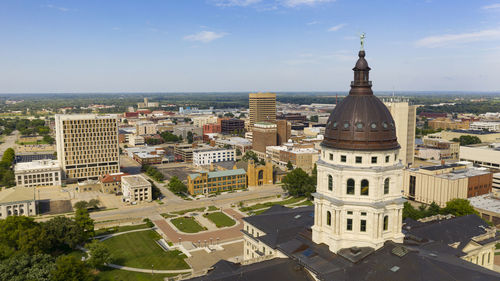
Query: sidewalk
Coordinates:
[149,270]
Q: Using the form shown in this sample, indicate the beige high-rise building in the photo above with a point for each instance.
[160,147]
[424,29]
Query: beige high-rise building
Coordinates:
[87,145]
[262,108]
[404,116]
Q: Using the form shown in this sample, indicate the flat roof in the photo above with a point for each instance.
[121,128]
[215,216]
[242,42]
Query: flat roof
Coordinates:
[135,180]
[487,202]
[218,174]
[475,132]
[37,165]
[17,194]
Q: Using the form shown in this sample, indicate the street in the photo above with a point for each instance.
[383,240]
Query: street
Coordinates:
[8,141]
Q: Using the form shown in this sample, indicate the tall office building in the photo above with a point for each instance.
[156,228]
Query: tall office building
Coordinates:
[262,107]
[284,131]
[264,135]
[87,145]
[404,116]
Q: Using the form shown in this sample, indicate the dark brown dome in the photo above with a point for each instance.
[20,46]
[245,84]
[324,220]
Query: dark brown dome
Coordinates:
[361,121]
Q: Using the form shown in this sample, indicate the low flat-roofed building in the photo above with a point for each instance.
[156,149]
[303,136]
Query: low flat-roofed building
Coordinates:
[484,136]
[17,201]
[488,207]
[213,182]
[136,188]
[300,157]
[29,157]
[111,183]
[204,157]
[496,181]
[147,158]
[240,143]
[136,140]
[45,172]
[483,155]
[442,183]
[490,126]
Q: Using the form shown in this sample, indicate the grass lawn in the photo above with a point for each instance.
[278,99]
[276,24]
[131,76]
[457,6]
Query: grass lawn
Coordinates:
[167,216]
[220,219]
[183,212]
[288,201]
[112,274]
[305,203]
[116,229]
[187,224]
[77,254]
[212,208]
[139,249]
[259,212]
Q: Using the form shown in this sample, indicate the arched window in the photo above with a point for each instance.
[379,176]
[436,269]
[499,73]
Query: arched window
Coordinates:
[386,222]
[350,186]
[365,186]
[328,218]
[386,186]
[330,182]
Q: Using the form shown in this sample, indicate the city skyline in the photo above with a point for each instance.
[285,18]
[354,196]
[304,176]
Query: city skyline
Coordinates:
[246,45]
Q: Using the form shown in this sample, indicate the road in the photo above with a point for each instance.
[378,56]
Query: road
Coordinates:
[174,203]
[8,141]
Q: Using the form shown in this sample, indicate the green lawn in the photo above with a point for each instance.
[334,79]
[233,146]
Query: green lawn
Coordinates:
[187,224]
[259,212]
[139,249]
[212,208]
[183,212]
[305,203]
[288,201]
[167,216]
[112,274]
[116,229]
[220,219]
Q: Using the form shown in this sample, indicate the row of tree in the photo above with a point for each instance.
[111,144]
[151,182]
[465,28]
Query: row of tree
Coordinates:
[177,186]
[7,178]
[24,126]
[153,172]
[467,140]
[457,207]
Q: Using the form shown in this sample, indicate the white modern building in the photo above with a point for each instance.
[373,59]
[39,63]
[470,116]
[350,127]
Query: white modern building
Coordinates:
[46,172]
[483,155]
[206,157]
[17,201]
[136,188]
[490,126]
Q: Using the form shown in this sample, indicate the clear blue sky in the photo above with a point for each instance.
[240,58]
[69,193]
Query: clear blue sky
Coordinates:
[246,45]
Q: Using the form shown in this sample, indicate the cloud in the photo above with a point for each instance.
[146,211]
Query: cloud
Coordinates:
[295,3]
[205,36]
[61,9]
[336,27]
[491,7]
[312,22]
[446,39]
[233,3]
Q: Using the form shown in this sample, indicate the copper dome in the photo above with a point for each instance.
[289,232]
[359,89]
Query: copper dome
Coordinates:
[361,121]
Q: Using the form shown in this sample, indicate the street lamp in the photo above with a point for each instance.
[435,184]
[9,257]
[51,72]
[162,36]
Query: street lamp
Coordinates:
[152,266]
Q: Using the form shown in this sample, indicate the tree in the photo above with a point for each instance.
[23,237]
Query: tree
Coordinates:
[458,207]
[69,268]
[298,183]
[81,205]
[229,114]
[314,118]
[8,156]
[189,137]
[62,233]
[94,203]
[19,234]
[8,178]
[467,140]
[99,254]
[27,267]
[176,185]
[83,219]
[238,152]
[250,155]
[289,165]
[48,139]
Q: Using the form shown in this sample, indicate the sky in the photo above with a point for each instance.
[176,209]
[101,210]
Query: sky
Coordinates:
[247,45]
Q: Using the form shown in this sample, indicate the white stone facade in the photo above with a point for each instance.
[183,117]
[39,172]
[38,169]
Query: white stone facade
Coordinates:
[206,157]
[136,188]
[358,199]
[45,172]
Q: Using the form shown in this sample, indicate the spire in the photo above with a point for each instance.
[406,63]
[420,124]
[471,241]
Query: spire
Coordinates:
[361,84]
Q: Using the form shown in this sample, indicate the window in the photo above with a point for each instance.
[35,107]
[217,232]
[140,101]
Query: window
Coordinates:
[358,159]
[328,218]
[363,213]
[350,186]
[365,186]
[349,212]
[374,159]
[330,182]
[362,226]
[386,186]
[349,224]
[331,156]
[343,158]
[387,159]
[386,222]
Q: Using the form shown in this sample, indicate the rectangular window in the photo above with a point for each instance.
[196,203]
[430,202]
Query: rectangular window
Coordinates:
[343,158]
[358,159]
[374,159]
[387,159]
[362,226]
[331,156]
[363,213]
[349,212]
[349,224]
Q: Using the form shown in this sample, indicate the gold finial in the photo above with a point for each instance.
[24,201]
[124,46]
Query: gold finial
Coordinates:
[362,37]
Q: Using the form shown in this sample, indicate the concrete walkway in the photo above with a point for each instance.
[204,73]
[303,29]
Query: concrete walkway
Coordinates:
[180,271]
[226,233]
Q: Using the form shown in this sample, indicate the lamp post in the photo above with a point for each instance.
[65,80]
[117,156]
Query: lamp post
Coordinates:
[152,272]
